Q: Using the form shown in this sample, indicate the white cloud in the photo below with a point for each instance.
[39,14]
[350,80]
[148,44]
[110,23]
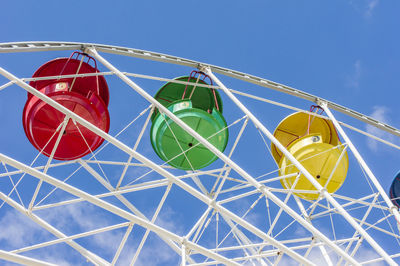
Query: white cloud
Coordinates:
[380,113]
[366,254]
[363,254]
[85,217]
[371,5]
[365,7]
[17,230]
[168,219]
[155,252]
[353,80]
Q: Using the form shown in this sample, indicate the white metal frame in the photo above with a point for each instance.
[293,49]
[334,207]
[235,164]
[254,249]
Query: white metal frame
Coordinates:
[186,246]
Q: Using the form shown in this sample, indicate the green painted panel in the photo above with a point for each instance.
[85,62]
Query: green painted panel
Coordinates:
[173,145]
[202,97]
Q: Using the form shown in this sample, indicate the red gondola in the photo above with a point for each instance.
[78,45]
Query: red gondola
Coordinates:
[86,96]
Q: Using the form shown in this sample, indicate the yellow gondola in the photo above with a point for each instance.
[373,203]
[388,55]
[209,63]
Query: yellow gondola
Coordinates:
[314,142]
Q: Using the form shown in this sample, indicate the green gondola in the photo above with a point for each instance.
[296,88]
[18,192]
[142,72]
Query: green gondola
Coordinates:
[201,109]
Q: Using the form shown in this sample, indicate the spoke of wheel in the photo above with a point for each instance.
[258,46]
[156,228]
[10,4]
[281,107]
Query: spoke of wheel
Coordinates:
[285,202]
[95,153]
[60,134]
[11,173]
[135,147]
[183,255]
[122,244]
[14,186]
[362,222]
[201,229]
[91,152]
[238,137]
[22,259]
[352,201]
[309,177]
[162,171]
[196,227]
[140,187]
[2,87]
[123,200]
[241,237]
[164,197]
[114,209]
[66,239]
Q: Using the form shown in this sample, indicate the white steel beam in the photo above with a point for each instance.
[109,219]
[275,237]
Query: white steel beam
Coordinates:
[123,200]
[109,207]
[393,209]
[310,178]
[22,259]
[60,240]
[171,177]
[222,156]
[148,55]
[122,244]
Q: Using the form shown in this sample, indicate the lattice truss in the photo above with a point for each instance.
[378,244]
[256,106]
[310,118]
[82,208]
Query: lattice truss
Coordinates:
[122,205]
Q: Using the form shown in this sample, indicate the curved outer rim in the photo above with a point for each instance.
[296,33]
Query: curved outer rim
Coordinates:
[36,46]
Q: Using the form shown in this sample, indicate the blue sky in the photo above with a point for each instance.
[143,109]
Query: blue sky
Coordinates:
[345,51]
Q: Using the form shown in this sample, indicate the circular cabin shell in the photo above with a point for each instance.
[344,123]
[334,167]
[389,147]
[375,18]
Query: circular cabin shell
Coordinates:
[322,160]
[86,96]
[200,107]
[177,147]
[394,191]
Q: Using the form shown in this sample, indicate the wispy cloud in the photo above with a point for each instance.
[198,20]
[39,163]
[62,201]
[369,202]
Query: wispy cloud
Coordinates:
[380,113]
[16,230]
[365,7]
[365,254]
[353,80]
[371,5]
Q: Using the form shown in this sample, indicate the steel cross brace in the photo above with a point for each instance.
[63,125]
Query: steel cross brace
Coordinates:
[154,166]
[223,157]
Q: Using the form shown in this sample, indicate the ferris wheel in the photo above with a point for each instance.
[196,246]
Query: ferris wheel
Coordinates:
[118,156]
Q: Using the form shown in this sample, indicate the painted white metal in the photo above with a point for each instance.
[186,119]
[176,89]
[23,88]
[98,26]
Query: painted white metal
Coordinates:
[122,199]
[148,162]
[393,209]
[299,166]
[164,197]
[122,244]
[177,179]
[109,207]
[60,240]
[22,259]
[148,55]
[135,147]
[222,156]
[86,253]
